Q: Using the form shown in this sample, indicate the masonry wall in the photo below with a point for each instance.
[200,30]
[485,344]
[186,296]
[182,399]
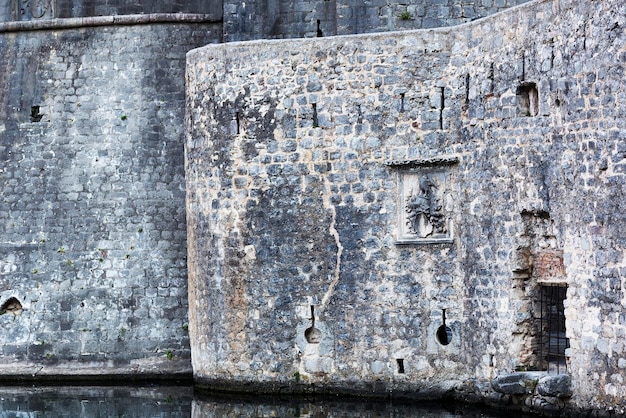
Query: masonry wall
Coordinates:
[92,218]
[302,159]
[272,19]
[27,10]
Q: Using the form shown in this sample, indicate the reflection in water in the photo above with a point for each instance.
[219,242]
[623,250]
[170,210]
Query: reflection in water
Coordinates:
[180,401]
[95,402]
[233,406]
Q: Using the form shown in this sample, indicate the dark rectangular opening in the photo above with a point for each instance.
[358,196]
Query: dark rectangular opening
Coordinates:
[400,363]
[552,338]
[35,116]
[527,99]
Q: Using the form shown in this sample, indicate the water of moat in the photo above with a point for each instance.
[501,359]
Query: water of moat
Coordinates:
[184,401]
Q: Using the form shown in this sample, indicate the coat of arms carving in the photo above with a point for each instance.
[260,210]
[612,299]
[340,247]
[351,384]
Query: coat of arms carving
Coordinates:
[424,206]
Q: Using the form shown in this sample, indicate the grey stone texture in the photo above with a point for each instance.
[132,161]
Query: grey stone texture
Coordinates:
[294,155]
[559,386]
[93,245]
[92,219]
[520,383]
[25,10]
[276,19]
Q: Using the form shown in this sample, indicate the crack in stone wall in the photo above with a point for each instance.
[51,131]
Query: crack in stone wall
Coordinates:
[553,151]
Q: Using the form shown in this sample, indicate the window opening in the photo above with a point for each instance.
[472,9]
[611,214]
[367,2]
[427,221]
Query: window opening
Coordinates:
[528,99]
[35,116]
[400,363]
[552,337]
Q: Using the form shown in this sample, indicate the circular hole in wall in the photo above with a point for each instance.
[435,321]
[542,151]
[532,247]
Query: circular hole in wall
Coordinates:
[444,335]
[313,335]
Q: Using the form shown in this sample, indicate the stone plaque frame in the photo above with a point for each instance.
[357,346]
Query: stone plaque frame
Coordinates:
[424,201]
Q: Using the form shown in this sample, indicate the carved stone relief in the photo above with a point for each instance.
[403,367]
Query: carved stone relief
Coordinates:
[424,205]
[33,9]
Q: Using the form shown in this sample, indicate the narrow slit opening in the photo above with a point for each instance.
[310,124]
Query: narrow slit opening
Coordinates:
[315,120]
[400,363]
[443,104]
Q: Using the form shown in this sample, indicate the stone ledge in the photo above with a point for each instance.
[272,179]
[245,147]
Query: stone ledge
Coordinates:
[122,20]
[525,383]
[558,386]
[517,383]
[365,390]
[143,371]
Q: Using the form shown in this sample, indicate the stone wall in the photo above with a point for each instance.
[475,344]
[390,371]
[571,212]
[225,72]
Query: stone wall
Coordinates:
[92,257]
[25,10]
[93,251]
[271,19]
[380,213]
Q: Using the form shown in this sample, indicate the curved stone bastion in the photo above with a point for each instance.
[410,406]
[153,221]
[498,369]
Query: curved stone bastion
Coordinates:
[433,213]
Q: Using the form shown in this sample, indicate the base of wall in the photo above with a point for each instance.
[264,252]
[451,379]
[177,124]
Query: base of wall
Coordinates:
[98,373]
[468,392]
[371,390]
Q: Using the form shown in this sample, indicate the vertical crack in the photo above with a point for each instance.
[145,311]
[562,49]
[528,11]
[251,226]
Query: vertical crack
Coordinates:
[333,231]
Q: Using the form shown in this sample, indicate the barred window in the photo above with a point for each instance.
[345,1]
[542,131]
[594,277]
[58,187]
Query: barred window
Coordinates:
[553,341]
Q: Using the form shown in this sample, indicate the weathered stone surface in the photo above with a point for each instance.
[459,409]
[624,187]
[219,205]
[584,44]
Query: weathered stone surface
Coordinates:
[271,19]
[92,178]
[25,10]
[516,383]
[92,218]
[530,102]
[559,386]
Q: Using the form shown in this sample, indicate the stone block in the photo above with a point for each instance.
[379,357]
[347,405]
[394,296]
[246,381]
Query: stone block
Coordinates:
[516,383]
[559,386]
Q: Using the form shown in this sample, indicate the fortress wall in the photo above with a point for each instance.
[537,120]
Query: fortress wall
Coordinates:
[303,157]
[92,217]
[271,19]
[565,164]
[27,10]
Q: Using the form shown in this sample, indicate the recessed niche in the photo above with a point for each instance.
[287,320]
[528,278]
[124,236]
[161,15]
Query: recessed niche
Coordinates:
[12,305]
[528,99]
[35,116]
